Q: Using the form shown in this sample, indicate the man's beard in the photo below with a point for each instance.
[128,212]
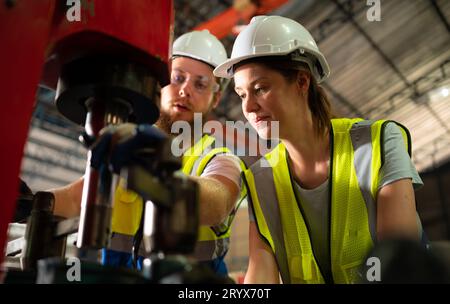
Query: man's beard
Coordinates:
[165,122]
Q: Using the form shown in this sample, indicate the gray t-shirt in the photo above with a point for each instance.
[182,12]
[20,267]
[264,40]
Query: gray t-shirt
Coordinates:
[314,202]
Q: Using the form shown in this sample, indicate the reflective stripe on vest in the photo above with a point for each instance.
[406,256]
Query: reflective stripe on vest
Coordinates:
[213,241]
[356,155]
[194,152]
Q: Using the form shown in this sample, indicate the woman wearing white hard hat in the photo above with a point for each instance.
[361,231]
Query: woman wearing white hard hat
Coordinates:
[333,187]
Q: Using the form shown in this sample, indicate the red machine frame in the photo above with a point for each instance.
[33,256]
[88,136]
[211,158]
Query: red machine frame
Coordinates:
[36,37]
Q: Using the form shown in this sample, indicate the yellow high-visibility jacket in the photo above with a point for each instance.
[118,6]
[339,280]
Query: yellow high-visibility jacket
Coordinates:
[355,162]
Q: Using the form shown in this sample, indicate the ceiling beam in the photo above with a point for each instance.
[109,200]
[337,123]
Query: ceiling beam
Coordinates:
[242,11]
[373,44]
[440,14]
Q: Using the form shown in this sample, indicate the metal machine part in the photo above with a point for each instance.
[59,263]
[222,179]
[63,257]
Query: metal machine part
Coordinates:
[173,230]
[109,72]
[170,227]
[48,41]
[100,91]
[39,241]
[128,91]
[170,223]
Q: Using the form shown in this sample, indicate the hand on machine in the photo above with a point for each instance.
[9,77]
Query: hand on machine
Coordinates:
[141,155]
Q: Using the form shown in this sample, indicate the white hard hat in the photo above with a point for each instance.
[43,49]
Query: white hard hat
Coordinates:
[200,45]
[275,36]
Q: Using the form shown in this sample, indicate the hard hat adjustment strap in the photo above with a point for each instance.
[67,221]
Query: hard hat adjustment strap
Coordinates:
[314,65]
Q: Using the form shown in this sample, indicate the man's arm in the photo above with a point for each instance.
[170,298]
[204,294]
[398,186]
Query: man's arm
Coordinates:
[218,196]
[219,186]
[262,267]
[68,199]
[396,211]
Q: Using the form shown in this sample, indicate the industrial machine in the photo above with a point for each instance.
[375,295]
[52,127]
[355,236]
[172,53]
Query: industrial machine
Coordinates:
[107,64]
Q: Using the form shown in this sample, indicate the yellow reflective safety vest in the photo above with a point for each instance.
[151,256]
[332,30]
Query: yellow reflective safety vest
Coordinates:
[212,242]
[355,161]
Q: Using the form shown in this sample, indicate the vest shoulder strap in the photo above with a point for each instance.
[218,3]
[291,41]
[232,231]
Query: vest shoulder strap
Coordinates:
[342,125]
[193,153]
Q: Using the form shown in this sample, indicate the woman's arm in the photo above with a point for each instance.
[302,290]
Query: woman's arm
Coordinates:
[262,267]
[396,211]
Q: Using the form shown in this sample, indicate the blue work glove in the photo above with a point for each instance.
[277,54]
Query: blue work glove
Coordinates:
[118,146]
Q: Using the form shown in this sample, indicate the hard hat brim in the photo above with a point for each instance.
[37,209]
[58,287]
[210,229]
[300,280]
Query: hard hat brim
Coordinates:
[187,55]
[225,70]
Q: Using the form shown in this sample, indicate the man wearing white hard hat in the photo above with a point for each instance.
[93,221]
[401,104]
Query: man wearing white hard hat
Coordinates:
[193,90]
[333,187]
